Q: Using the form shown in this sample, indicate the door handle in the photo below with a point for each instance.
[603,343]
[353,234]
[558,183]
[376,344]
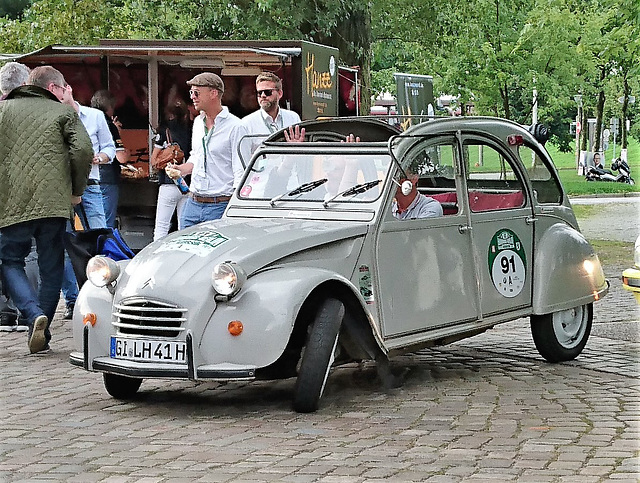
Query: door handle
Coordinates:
[464,228]
[530,220]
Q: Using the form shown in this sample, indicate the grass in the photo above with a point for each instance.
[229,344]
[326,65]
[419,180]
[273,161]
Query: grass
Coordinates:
[576,185]
[614,253]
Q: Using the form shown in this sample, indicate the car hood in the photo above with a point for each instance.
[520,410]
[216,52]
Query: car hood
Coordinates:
[187,257]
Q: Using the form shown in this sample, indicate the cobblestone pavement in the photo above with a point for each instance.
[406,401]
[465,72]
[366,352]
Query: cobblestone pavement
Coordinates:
[484,409]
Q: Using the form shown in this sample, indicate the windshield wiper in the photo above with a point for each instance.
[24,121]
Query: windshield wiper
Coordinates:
[354,190]
[303,188]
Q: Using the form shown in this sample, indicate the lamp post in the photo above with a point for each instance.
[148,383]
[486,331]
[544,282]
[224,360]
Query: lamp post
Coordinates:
[578,99]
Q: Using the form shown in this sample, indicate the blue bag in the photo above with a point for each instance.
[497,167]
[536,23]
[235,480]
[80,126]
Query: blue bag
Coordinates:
[113,246]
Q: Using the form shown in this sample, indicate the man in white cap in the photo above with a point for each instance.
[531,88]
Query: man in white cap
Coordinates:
[214,163]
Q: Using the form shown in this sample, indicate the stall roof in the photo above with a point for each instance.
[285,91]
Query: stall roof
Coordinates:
[187,53]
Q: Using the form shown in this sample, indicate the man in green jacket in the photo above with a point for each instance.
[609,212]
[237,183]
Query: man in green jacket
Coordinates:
[45,158]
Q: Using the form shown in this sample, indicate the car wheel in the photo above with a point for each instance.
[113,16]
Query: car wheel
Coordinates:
[121,387]
[561,336]
[318,355]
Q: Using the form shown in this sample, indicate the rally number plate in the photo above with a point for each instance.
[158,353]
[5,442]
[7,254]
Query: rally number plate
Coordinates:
[146,350]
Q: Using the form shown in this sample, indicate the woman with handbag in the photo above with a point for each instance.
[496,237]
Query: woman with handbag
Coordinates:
[173,134]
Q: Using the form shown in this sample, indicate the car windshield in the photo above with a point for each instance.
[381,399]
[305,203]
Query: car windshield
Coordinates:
[277,177]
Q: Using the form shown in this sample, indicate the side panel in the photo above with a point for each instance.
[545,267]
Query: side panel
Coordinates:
[568,272]
[503,243]
[426,275]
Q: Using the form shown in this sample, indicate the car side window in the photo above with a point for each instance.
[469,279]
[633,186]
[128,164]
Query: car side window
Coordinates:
[434,165]
[492,182]
[546,186]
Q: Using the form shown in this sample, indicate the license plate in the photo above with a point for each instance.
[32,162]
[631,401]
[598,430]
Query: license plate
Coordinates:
[148,350]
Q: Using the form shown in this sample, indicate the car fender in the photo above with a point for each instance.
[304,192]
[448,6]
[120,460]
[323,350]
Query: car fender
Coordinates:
[567,271]
[267,306]
[99,302]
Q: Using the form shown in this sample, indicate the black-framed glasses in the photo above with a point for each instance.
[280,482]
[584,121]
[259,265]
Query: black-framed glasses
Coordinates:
[266,92]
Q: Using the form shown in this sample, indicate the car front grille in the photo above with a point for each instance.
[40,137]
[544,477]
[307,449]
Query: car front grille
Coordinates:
[149,317]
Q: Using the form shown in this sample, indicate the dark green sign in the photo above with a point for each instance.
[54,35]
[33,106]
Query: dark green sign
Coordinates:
[415,98]
[319,81]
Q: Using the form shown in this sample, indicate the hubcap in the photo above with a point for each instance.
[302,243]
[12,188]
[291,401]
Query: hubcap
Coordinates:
[569,326]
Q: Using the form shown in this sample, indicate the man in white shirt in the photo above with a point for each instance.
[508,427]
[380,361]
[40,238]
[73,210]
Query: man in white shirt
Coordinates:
[104,150]
[270,117]
[214,163]
[91,209]
[267,120]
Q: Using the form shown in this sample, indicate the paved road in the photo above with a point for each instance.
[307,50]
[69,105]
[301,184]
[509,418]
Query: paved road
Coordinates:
[617,218]
[484,409]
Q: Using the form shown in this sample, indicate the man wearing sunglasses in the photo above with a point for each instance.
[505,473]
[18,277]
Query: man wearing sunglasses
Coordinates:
[214,163]
[270,117]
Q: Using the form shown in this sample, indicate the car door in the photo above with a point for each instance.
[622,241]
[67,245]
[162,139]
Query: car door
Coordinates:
[424,267]
[501,225]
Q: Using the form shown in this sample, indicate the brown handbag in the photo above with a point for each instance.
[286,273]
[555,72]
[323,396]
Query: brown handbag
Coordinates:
[169,154]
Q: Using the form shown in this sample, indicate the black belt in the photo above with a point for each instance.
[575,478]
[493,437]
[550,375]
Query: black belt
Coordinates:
[93,182]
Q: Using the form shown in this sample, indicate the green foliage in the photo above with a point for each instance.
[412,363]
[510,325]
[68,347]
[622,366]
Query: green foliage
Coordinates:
[491,52]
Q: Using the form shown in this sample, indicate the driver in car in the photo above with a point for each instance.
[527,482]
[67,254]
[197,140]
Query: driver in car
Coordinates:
[413,205]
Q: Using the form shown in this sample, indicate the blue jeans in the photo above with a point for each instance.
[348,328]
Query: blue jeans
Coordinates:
[93,207]
[15,246]
[110,193]
[195,212]
[69,282]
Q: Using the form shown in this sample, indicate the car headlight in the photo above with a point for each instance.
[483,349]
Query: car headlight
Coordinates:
[102,271]
[227,279]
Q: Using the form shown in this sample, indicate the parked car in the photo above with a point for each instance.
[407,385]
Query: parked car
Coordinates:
[309,268]
[631,276]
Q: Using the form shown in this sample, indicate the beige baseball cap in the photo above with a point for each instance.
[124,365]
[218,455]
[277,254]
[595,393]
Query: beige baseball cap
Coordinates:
[207,79]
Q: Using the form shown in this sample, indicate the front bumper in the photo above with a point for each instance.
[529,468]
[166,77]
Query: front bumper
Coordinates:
[146,370]
[631,282]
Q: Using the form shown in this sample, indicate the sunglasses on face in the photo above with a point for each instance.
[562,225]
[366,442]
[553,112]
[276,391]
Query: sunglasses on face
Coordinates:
[266,92]
[194,93]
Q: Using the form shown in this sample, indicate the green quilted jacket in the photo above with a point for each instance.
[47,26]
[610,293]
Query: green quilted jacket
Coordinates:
[45,156]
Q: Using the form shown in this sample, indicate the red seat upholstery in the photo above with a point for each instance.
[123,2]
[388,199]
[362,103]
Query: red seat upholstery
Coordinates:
[448,201]
[480,201]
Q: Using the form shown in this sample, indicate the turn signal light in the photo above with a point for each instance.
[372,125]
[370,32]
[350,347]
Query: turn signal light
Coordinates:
[90,318]
[235,327]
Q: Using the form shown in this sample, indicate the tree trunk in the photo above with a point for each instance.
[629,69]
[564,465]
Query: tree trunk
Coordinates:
[625,107]
[599,113]
[504,92]
[584,135]
[353,38]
